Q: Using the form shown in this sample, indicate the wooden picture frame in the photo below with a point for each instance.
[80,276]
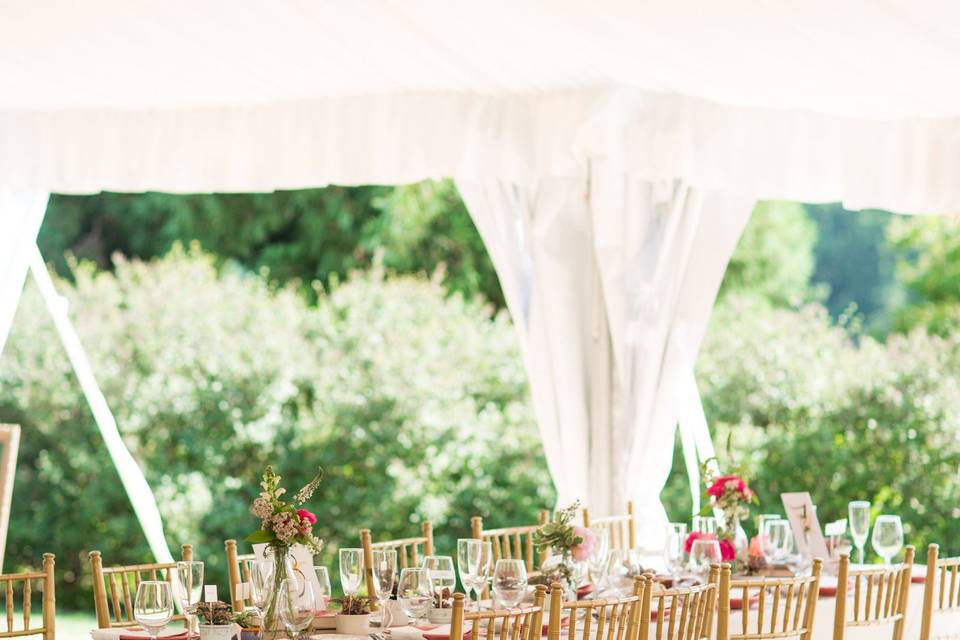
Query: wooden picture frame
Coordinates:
[9,445]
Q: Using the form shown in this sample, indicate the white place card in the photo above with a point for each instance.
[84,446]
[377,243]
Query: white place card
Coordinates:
[802,514]
[210,593]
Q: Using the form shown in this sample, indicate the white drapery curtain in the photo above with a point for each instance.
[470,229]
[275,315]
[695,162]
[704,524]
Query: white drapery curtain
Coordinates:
[21,213]
[610,282]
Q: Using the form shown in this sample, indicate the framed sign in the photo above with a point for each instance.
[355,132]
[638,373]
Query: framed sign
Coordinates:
[9,444]
[802,514]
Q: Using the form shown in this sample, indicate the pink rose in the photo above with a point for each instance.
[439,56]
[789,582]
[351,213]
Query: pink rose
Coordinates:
[756,546]
[305,515]
[581,552]
[727,550]
[729,483]
[694,536]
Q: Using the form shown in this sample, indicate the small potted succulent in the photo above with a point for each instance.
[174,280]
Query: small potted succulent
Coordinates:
[442,611]
[216,621]
[354,616]
[249,623]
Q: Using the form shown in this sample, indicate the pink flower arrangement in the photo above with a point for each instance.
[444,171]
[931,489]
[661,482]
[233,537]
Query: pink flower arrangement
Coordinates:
[282,524]
[306,516]
[581,551]
[730,484]
[727,550]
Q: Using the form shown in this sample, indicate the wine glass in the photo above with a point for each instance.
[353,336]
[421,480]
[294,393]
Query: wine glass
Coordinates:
[153,607]
[673,549]
[510,581]
[704,553]
[190,583]
[859,512]
[384,575]
[261,583]
[887,537]
[705,524]
[775,540]
[415,592]
[324,592]
[351,570]
[599,555]
[442,572]
[469,552]
[295,605]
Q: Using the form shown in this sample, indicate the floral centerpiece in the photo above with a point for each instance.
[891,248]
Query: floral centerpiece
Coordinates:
[570,546]
[730,497]
[282,525]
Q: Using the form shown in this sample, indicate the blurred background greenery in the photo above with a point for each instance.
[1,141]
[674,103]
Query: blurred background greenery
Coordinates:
[363,329]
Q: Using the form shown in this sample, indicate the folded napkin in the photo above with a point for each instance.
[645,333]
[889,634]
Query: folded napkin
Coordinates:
[423,632]
[136,633]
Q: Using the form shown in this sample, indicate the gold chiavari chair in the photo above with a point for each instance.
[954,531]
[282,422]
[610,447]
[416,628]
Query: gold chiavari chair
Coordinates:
[122,582]
[614,619]
[785,607]
[238,572]
[511,542]
[879,596]
[680,613]
[45,579]
[408,552]
[941,590]
[621,529]
[514,624]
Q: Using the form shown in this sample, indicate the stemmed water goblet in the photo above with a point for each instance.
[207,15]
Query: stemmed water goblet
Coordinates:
[704,553]
[351,570]
[673,549]
[510,582]
[384,571]
[442,573]
[153,606]
[190,583]
[295,605]
[415,592]
[887,537]
[859,513]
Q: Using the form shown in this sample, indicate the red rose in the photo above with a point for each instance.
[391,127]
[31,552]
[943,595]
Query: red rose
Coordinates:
[724,483]
[727,551]
[306,516]
[694,536]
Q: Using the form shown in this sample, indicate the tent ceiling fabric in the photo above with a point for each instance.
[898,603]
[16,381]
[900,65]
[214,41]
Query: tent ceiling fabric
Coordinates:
[815,101]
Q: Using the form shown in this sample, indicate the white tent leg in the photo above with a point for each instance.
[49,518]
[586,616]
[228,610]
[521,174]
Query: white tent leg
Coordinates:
[134,482]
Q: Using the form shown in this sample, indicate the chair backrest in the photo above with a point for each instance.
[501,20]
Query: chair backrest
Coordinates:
[409,551]
[239,567]
[770,607]
[879,596]
[683,613]
[941,589]
[514,624]
[621,529]
[615,619]
[122,582]
[512,542]
[45,580]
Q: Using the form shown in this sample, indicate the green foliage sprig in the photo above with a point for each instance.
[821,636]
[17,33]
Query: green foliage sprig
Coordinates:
[215,613]
[558,534]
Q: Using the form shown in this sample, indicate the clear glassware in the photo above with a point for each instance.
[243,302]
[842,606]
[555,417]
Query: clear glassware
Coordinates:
[153,607]
[599,555]
[673,548]
[351,570]
[705,524]
[415,593]
[859,514]
[619,566]
[704,553]
[324,592]
[763,517]
[261,583]
[887,537]
[776,540]
[190,590]
[442,572]
[384,571]
[484,570]
[469,553]
[510,581]
[295,605]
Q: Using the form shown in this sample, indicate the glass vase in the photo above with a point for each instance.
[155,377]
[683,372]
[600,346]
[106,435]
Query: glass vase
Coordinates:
[283,568]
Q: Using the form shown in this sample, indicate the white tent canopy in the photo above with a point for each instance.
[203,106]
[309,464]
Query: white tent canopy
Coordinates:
[609,152]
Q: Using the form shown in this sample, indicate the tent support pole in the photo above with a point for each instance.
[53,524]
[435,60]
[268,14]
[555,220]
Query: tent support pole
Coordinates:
[131,476]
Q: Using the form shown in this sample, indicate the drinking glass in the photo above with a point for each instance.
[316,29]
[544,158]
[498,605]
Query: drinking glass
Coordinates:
[415,592]
[469,553]
[484,570]
[510,581]
[190,583]
[705,524]
[295,605]
[261,583]
[324,592]
[673,549]
[619,565]
[704,553]
[442,572]
[351,570]
[775,540]
[384,575]
[859,512]
[153,607]
[887,537]
[599,555]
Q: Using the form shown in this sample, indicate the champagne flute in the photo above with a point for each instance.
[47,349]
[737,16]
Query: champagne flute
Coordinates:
[887,537]
[704,553]
[484,570]
[261,583]
[190,583]
[295,604]
[599,555]
[351,570]
[384,575]
[415,592]
[510,581]
[153,607]
[673,549]
[859,512]
[324,592]
[469,551]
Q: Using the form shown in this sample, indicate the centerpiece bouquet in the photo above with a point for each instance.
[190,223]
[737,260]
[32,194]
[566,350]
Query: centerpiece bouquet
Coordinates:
[282,525]
[728,496]
[570,546]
